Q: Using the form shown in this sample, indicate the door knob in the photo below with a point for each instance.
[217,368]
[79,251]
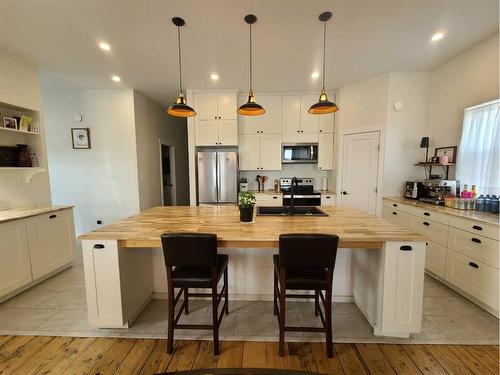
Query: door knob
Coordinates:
[345,193]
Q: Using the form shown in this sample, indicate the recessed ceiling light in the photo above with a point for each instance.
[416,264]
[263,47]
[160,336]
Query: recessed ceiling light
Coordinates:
[214,77]
[315,75]
[437,36]
[116,78]
[104,46]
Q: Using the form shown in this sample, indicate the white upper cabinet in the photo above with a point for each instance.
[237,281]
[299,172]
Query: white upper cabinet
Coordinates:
[226,105]
[216,123]
[326,123]
[291,118]
[260,152]
[249,147]
[308,123]
[268,123]
[325,151]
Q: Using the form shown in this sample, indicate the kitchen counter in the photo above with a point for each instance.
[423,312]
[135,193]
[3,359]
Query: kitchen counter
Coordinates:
[380,265]
[355,228]
[24,212]
[485,217]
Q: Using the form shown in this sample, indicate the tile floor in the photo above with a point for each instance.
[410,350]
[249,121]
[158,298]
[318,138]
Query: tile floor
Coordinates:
[57,307]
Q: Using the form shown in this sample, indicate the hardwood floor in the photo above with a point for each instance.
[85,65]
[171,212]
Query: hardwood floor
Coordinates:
[66,355]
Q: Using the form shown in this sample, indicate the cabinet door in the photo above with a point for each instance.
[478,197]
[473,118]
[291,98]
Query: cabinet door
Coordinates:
[270,122]
[51,241]
[228,132]
[326,123]
[249,146]
[435,258]
[248,124]
[206,132]
[308,123]
[325,151]
[291,118]
[226,106]
[15,269]
[270,152]
[327,200]
[206,106]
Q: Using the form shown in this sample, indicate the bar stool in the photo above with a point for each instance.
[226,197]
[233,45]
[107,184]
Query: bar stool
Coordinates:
[192,261]
[305,262]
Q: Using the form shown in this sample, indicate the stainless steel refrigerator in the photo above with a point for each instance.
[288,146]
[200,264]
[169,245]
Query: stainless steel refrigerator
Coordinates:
[217,177]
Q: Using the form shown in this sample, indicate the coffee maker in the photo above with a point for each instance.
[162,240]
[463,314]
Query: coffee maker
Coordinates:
[436,190]
[414,189]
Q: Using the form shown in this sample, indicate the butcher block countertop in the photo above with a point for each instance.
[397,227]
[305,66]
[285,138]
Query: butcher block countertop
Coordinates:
[485,217]
[24,212]
[355,228]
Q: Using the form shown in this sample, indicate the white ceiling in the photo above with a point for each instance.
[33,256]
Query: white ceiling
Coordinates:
[365,38]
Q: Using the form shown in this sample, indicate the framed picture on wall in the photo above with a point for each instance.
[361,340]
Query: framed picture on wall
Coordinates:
[450,151]
[81,138]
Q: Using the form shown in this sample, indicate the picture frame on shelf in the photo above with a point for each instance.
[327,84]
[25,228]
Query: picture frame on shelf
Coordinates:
[25,123]
[450,151]
[80,138]
[10,123]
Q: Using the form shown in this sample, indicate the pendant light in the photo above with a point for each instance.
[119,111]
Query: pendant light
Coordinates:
[251,108]
[323,106]
[180,108]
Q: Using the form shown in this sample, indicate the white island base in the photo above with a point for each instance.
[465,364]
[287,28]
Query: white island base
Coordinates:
[386,284]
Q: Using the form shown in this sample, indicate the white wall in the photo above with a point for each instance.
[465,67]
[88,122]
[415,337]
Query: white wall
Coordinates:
[152,125]
[468,79]
[19,86]
[102,181]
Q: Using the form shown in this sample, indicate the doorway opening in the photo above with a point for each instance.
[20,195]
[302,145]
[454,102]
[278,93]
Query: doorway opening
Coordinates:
[167,170]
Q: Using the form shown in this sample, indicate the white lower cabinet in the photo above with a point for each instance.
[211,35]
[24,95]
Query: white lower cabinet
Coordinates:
[396,216]
[34,247]
[15,270]
[473,277]
[266,199]
[435,258]
[327,199]
[434,231]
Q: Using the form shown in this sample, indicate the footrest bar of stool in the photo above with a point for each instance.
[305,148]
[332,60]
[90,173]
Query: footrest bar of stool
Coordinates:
[304,329]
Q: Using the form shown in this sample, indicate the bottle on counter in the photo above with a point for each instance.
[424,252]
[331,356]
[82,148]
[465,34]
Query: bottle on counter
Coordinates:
[465,193]
[473,192]
[487,203]
[494,204]
[480,203]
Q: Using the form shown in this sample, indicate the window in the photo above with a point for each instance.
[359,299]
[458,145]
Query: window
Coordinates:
[478,154]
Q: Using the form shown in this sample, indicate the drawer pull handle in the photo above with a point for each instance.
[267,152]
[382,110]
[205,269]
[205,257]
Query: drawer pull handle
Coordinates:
[473,265]
[477,227]
[426,223]
[427,214]
[476,240]
[394,213]
[275,197]
[405,248]
[52,216]
[394,205]
[98,246]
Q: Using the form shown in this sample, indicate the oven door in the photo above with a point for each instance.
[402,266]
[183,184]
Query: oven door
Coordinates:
[300,153]
[302,200]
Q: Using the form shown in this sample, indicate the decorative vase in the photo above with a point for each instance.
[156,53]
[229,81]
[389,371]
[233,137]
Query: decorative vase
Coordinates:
[246,214]
[23,157]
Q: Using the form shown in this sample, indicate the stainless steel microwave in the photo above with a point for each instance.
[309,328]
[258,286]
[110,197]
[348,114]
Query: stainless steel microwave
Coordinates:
[300,153]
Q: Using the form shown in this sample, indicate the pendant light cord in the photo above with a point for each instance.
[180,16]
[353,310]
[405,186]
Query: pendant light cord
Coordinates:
[180,62]
[250,57]
[324,53]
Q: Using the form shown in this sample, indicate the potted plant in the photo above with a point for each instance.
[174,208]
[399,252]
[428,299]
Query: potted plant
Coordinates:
[247,202]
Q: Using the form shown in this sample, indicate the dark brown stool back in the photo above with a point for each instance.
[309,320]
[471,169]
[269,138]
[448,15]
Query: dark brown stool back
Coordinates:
[191,261]
[305,262]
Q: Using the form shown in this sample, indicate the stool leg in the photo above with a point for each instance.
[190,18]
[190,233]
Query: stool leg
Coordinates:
[170,335]
[316,302]
[226,294]
[186,300]
[215,325]
[282,313]
[275,298]
[328,321]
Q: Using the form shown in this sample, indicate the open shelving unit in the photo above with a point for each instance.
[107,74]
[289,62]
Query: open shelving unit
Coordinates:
[429,166]
[2,129]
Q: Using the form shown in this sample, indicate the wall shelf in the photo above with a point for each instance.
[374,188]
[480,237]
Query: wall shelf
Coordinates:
[30,171]
[17,131]
[446,167]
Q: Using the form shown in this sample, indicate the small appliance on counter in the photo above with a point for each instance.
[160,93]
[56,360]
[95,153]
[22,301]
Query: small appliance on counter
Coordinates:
[414,189]
[244,184]
[435,191]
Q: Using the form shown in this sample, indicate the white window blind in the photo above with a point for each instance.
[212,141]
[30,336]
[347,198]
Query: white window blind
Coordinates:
[478,154]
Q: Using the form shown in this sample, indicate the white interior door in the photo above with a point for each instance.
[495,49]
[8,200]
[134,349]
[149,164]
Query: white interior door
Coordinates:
[360,158]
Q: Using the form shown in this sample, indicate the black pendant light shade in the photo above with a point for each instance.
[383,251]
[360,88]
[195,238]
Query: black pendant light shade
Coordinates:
[251,108]
[180,108]
[323,106]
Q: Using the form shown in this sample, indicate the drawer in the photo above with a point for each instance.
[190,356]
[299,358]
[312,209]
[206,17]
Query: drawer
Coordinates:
[396,216]
[269,199]
[396,205]
[437,217]
[484,229]
[435,232]
[435,258]
[327,200]
[473,277]
[475,246]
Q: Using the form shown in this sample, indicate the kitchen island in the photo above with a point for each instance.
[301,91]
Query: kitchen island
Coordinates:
[387,260]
